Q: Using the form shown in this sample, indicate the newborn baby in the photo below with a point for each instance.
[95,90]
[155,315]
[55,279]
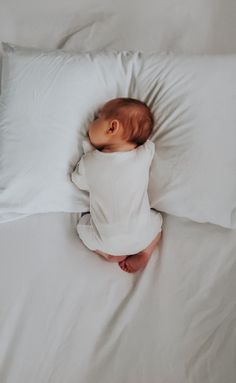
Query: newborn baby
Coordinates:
[121,226]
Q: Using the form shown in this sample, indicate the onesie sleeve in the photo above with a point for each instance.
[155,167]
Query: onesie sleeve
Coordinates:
[78,177]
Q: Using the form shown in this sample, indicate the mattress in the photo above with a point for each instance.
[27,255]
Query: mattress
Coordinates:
[67,315]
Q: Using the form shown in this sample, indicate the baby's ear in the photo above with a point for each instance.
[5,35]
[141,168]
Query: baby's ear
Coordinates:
[114,127]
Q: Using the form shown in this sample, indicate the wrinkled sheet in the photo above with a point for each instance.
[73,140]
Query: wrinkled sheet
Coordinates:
[67,315]
[190,26]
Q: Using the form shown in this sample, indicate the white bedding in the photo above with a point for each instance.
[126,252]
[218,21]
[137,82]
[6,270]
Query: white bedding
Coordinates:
[189,26]
[49,98]
[67,316]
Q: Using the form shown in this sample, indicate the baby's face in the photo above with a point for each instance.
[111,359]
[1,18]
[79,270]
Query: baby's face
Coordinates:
[97,131]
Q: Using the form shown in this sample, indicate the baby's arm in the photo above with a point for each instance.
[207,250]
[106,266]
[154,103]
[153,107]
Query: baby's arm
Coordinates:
[78,177]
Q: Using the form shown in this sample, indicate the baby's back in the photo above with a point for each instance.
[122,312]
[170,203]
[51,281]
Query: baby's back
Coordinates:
[118,183]
[120,220]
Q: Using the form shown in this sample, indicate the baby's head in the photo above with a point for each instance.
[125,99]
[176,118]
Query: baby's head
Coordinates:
[121,122]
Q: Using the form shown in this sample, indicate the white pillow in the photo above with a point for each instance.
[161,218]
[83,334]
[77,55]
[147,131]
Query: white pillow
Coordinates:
[194,101]
[47,101]
[48,98]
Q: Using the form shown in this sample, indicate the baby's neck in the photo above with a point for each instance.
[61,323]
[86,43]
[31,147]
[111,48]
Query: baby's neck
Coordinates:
[119,147]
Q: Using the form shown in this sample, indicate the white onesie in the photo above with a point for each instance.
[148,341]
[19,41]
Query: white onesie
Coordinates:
[121,221]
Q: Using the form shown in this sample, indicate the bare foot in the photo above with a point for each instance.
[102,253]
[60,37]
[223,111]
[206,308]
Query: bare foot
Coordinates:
[135,262]
[138,261]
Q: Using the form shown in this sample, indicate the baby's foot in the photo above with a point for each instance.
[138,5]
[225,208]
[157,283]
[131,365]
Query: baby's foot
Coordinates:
[135,262]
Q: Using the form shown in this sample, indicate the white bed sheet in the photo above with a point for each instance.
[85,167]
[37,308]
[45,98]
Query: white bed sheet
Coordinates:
[189,26]
[69,316]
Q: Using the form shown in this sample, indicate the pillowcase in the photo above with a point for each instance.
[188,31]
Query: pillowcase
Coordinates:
[194,169]
[49,98]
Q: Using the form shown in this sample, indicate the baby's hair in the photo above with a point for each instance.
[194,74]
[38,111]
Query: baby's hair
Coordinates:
[135,116]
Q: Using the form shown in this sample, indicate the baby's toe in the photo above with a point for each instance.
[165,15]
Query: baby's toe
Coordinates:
[123,265]
[129,269]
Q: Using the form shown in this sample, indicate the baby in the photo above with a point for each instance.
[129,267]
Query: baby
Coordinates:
[121,226]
